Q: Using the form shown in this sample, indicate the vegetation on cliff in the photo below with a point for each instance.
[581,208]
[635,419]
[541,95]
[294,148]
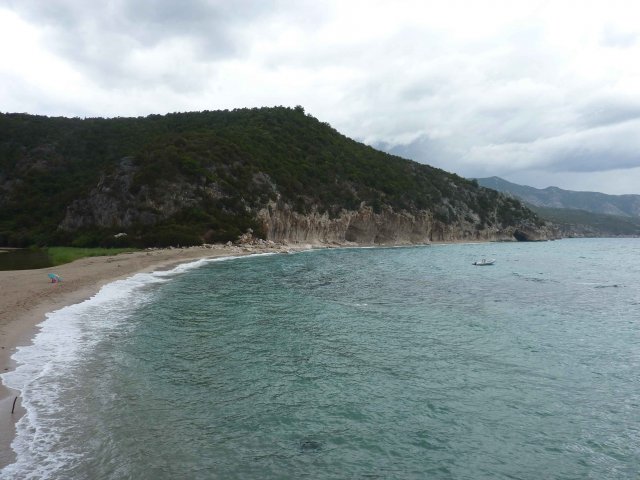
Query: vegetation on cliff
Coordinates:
[184,178]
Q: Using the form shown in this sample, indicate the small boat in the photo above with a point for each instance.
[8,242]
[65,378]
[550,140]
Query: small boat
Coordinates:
[483,262]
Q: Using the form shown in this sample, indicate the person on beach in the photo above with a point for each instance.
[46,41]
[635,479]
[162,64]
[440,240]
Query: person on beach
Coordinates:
[54,278]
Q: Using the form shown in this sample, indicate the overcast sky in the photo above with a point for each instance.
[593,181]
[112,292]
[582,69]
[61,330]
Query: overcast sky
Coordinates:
[537,92]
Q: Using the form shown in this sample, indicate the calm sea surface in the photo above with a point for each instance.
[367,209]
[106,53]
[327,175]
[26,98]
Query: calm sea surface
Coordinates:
[405,363]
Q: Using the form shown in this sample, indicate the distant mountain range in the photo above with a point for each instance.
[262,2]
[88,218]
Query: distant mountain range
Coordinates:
[554,197]
[590,214]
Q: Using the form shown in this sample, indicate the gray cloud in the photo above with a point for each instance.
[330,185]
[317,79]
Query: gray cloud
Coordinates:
[618,39]
[145,23]
[598,149]
[608,109]
[423,149]
[122,43]
[502,110]
[505,89]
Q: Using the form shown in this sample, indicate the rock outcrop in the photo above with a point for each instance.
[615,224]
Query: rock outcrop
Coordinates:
[116,202]
[365,227]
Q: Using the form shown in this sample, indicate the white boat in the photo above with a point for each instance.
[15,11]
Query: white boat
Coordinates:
[484,261]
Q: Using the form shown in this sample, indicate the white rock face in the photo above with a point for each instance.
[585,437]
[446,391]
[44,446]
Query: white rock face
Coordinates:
[364,227]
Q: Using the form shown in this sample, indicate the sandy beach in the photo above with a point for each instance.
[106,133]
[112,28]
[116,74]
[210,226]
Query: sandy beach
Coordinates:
[27,295]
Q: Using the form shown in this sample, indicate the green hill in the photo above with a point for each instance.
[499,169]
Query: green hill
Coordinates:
[185,178]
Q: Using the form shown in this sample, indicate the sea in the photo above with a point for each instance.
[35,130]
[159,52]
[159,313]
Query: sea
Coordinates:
[354,363]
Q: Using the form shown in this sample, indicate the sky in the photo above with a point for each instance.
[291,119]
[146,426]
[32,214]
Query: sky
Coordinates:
[537,92]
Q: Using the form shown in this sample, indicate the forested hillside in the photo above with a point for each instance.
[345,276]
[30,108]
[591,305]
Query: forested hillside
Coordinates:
[188,178]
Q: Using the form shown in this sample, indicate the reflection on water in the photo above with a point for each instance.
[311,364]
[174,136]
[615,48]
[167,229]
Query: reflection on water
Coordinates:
[24,259]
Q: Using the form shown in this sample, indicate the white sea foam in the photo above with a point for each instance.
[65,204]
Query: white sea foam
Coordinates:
[63,338]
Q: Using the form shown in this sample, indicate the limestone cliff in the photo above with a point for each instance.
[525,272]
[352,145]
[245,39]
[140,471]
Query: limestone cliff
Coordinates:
[364,227]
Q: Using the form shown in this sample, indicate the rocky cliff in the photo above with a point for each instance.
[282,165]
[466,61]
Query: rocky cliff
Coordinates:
[117,202]
[365,227]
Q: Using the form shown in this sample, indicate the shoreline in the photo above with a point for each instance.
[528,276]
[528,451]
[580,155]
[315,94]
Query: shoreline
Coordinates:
[28,296]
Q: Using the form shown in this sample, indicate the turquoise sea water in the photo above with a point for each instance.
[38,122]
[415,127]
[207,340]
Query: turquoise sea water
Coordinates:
[355,363]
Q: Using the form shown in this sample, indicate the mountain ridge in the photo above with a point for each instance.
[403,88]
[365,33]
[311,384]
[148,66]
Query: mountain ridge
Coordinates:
[188,178]
[555,197]
[572,221]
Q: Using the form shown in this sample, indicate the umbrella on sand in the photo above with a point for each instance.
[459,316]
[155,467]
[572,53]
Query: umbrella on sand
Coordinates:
[55,278]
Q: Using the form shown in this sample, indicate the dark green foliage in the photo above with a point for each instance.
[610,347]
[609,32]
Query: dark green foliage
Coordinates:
[171,235]
[248,157]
